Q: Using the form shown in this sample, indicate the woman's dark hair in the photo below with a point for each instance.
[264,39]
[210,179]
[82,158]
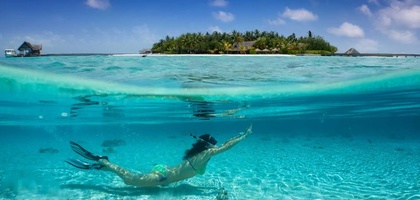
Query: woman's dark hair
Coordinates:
[204,142]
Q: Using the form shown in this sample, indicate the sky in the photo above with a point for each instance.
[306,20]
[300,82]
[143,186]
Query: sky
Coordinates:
[127,26]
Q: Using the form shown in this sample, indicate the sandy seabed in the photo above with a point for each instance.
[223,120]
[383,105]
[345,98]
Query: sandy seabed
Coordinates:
[264,166]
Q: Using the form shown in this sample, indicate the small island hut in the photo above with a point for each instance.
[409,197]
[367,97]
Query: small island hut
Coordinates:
[352,52]
[236,47]
[266,51]
[27,49]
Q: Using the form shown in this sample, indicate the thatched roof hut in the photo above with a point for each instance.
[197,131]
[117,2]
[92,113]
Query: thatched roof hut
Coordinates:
[236,47]
[27,49]
[247,44]
[266,51]
[352,51]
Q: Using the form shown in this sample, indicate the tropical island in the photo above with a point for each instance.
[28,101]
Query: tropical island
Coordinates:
[250,42]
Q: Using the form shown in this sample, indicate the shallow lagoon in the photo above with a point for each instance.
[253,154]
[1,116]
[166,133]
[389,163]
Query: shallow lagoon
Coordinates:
[324,127]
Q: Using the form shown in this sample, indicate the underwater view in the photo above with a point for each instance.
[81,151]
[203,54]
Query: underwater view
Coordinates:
[322,127]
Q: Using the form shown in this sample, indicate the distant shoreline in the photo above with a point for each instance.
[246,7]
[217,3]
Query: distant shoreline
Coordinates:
[221,55]
[78,54]
[140,55]
[235,55]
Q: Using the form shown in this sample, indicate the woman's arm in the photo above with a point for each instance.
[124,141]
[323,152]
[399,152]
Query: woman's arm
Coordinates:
[231,142]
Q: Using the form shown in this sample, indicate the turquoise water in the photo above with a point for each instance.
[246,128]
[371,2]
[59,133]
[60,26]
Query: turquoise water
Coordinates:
[324,127]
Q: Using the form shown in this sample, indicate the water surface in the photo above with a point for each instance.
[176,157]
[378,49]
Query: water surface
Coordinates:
[324,127]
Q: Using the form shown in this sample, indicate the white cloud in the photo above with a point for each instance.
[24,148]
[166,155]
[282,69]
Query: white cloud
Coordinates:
[276,22]
[366,45]
[214,29]
[98,4]
[143,32]
[410,17]
[224,16]
[219,3]
[115,40]
[376,2]
[365,10]
[402,36]
[299,15]
[399,20]
[94,40]
[400,15]
[348,30]
[49,40]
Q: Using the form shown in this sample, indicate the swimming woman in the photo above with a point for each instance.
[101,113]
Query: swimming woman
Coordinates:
[194,162]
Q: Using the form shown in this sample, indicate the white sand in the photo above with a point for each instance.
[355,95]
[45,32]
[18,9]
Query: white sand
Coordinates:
[263,167]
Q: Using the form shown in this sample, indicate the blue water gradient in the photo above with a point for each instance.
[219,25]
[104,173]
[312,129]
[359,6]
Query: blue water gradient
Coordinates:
[324,127]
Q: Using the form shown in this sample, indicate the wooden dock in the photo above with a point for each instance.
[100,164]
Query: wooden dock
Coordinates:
[377,55]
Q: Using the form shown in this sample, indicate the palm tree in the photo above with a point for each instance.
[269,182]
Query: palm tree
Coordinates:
[249,36]
[242,49]
[256,34]
[227,46]
[292,37]
[261,43]
[237,37]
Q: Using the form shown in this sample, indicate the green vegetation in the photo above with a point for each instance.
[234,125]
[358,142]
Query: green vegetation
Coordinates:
[250,42]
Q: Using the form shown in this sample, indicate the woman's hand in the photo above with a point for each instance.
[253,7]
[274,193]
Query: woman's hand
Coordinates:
[247,132]
[231,142]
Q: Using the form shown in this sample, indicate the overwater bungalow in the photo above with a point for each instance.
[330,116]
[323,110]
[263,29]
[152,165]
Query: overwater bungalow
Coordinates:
[27,49]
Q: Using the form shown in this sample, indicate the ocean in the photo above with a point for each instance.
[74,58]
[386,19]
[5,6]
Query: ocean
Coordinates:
[323,127]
